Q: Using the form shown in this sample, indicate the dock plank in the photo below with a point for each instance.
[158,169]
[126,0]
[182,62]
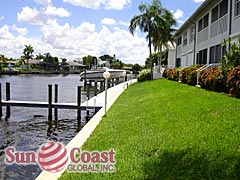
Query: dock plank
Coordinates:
[36,104]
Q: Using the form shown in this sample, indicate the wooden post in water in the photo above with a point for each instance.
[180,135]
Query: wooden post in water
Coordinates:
[117,81]
[79,104]
[8,96]
[49,102]
[102,86]
[112,82]
[55,101]
[95,88]
[88,91]
[85,75]
[0,100]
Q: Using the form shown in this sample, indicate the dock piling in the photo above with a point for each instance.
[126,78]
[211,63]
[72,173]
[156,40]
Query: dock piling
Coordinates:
[79,104]
[88,91]
[0,100]
[8,97]
[56,101]
[49,102]
[95,88]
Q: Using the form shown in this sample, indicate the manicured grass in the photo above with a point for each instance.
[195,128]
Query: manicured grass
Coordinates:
[167,130]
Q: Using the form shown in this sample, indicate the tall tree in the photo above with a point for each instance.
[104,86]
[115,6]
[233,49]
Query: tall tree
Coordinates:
[163,33]
[28,54]
[146,21]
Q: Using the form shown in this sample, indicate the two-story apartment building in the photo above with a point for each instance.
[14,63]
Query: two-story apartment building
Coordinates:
[199,40]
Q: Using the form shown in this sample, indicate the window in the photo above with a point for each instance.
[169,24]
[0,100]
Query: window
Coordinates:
[237,7]
[206,21]
[203,23]
[202,57]
[185,38]
[216,53]
[223,8]
[200,25]
[192,34]
[215,14]
[178,62]
[179,40]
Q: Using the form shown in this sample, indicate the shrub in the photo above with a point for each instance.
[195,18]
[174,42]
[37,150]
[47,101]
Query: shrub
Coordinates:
[189,75]
[212,79]
[144,75]
[233,82]
[171,74]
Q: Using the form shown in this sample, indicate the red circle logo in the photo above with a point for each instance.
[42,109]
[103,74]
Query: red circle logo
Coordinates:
[52,157]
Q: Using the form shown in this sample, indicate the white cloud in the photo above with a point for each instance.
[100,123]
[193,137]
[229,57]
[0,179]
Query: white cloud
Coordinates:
[31,16]
[178,13]
[53,11]
[199,1]
[5,33]
[74,42]
[96,4]
[1,18]
[40,17]
[117,4]
[108,21]
[43,2]
[20,31]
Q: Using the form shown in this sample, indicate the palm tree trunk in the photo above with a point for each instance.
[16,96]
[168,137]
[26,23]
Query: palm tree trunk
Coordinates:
[150,50]
[159,57]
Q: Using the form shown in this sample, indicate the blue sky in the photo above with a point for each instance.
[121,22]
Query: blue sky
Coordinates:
[75,28]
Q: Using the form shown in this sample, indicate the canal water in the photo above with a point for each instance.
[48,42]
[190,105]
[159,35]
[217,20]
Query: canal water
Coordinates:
[28,128]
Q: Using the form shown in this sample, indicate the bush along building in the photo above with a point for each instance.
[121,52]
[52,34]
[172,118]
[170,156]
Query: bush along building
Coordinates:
[199,40]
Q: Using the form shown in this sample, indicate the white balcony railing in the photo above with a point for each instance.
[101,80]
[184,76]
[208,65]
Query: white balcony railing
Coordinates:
[220,26]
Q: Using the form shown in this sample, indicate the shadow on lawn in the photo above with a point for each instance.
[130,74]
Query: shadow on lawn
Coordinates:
[191,165]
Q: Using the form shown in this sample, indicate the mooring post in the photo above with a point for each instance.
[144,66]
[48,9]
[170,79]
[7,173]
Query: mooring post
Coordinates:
[8,113]
[85,75]
[102,86]
[95,106]
[88,91]
[49,102]
[0,100]
[79,103]
[117,80]
[112,82]
[95,88]
[56,101]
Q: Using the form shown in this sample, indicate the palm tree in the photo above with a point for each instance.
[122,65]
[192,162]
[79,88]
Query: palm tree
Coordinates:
[151,20]
[27,54]
[163,34]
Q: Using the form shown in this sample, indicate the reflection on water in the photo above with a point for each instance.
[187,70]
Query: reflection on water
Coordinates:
[28,128]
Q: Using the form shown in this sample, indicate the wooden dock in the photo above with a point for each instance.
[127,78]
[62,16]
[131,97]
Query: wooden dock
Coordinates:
[35,104]
[50,105]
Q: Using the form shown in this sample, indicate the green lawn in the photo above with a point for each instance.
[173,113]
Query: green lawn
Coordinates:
[167,130]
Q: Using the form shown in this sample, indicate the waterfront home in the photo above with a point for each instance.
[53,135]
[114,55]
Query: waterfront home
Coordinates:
[199,40]
[75,67]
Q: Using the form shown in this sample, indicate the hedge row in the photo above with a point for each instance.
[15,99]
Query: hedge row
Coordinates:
[211,79]
[185,75]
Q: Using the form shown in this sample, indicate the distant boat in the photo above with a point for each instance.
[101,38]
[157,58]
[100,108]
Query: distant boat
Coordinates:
[98,74]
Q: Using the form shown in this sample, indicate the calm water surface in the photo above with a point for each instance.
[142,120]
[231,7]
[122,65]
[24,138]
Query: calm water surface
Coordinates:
[28,128]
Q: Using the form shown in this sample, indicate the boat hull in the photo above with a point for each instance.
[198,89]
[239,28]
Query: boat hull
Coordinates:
[98,74]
